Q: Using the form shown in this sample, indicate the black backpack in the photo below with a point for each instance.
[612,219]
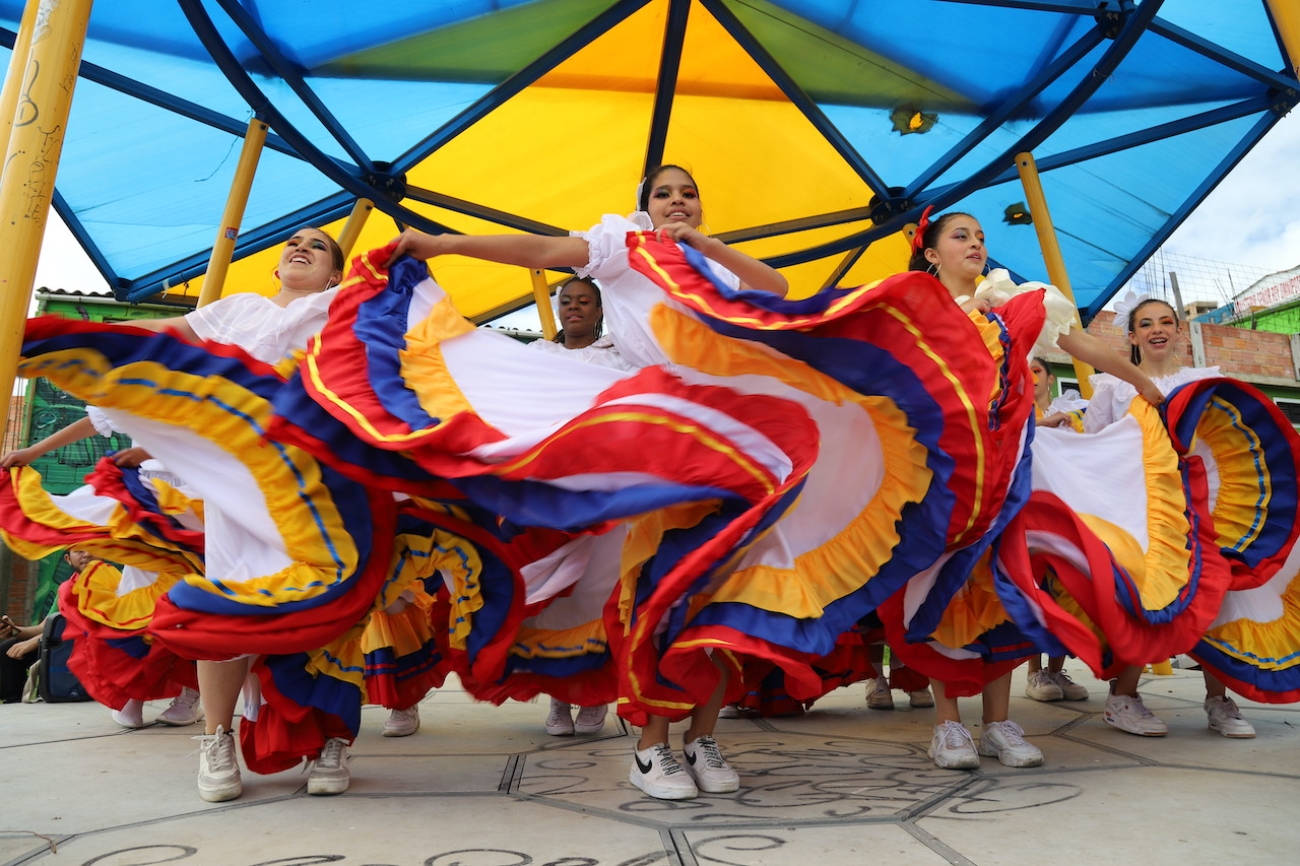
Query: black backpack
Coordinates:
[55,683]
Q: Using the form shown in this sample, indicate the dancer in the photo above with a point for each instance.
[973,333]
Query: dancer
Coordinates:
[281,531]
[583,339]
[1052,683]
[311,264]
[185,708]
[951,248]
[1154,334]
[670,205]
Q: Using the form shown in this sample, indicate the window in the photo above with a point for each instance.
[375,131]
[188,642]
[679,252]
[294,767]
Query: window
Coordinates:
[1291,409]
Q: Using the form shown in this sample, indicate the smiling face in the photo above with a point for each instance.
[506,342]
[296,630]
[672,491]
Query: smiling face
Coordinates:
[1155,332]
[309,262]
[959,252]
[674,198]
[580,310]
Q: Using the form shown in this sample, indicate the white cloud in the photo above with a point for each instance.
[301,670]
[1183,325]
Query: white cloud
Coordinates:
[1253,216]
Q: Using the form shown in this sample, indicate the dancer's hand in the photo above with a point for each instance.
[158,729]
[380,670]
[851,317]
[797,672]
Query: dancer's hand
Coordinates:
[1056,419]
[417,245]
[1152,394]
[21,457]
[684,234]
[131,457]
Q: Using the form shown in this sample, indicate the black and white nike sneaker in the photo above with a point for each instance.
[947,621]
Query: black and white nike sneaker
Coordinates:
[712,773]
[656,771]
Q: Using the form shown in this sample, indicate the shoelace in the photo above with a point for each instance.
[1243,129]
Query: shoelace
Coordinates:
[1014,734]
[219,759]
[1228,707]
[708,747]
[331,757]
[955,735]
[667,761]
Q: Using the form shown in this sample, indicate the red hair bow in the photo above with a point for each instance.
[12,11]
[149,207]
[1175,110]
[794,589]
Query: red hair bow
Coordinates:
[918,239]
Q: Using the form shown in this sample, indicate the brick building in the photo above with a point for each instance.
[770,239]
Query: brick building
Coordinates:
[1269,361]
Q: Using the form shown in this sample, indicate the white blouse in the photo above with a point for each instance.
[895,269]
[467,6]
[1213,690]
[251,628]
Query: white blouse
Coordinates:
[260,326]
[998,288]
[602,353]
[626,296]
[1111,396]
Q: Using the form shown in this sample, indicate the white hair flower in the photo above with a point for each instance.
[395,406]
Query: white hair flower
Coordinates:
[1125,306]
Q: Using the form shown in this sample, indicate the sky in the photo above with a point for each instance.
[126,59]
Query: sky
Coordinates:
[1252,218]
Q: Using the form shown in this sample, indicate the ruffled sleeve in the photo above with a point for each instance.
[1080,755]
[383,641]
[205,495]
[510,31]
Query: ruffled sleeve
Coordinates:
[207,321]
[1069,401]
[998,288]
[606,247]
[99,419]
[1108,395]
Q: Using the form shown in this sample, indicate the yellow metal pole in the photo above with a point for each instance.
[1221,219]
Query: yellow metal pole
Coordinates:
[224,248]
[1051,251]
[1286,18]
[17,66]
[47,75]
[542,295]
[356,221]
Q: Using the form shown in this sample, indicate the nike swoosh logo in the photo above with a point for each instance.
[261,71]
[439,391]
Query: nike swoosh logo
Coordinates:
[644,768]
[690,759]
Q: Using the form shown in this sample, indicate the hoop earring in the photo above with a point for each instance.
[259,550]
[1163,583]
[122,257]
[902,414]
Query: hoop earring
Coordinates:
[704,230]
[933,270]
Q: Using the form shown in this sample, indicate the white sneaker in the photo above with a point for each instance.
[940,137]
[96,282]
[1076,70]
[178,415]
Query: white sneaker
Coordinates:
[329,772]
[1225,718]
[920,699]
[402,723]
[1070,690]
[952,748]
[878,695]
[729,711]
[712,773]
[656,771]
[1041,687]
[1006,742]
[1129,714]
[590,720]
[185,709]
[218,770]
[131,715]
[559,723]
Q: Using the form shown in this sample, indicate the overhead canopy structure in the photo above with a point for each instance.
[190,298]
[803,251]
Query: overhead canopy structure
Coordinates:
[816,129]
